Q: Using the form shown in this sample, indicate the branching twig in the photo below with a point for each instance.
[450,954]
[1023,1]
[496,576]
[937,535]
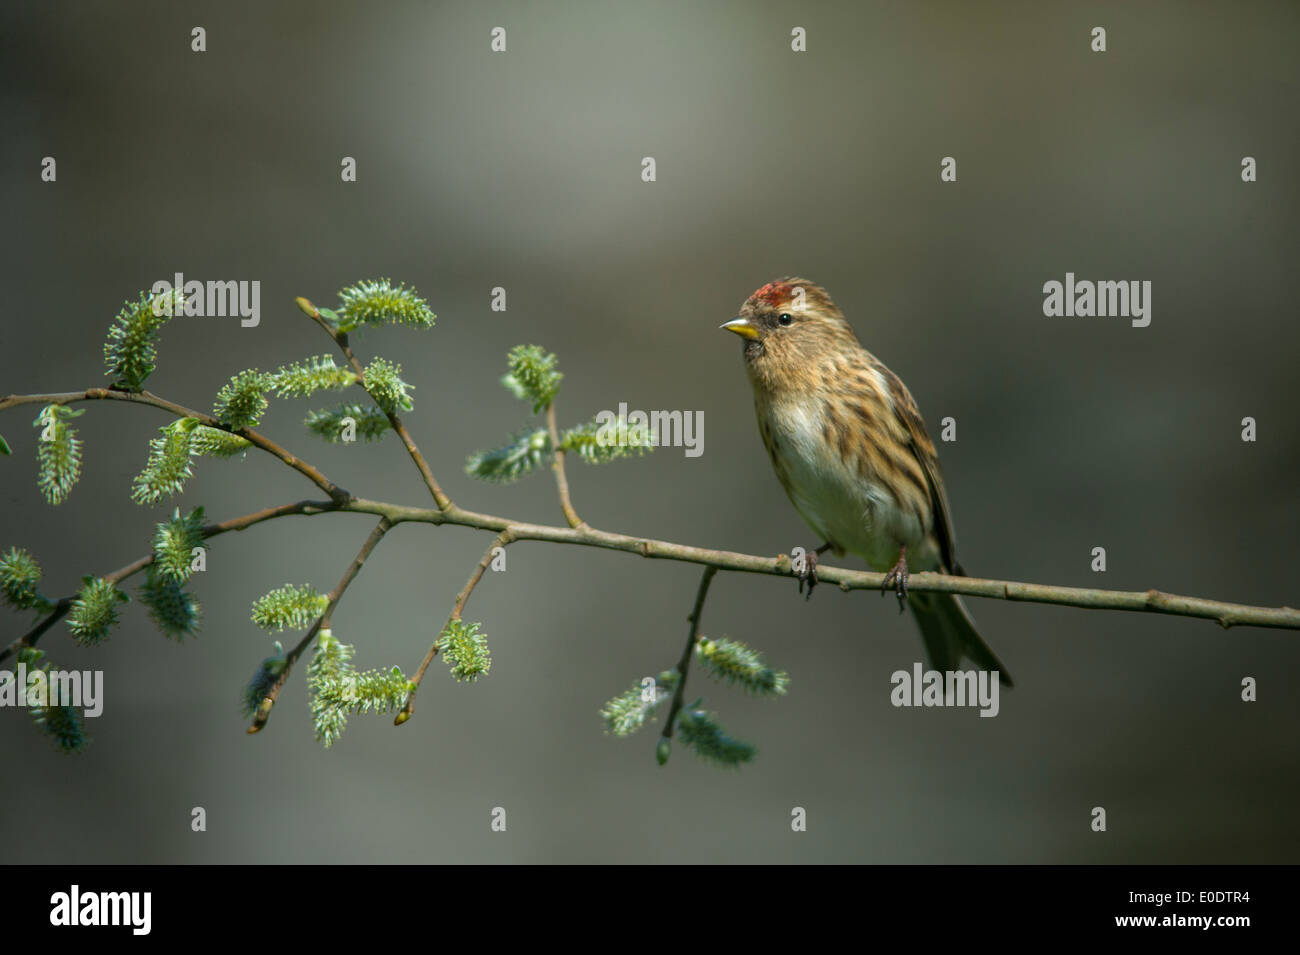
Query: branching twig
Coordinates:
[322,622]
[341,339]
[684,664]
[64,604]
[557,465]
[146,398]
[462,598]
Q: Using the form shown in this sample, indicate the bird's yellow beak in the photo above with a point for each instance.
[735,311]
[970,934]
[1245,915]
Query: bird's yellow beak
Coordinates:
[742,327]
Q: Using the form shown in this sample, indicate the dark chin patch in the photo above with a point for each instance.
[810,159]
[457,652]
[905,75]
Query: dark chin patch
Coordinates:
[753,348]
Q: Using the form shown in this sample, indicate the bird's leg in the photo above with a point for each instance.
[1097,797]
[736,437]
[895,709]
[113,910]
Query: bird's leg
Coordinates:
[897,577]
[809,572]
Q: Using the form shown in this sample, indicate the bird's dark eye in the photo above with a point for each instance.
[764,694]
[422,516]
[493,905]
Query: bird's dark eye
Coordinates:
[784,318]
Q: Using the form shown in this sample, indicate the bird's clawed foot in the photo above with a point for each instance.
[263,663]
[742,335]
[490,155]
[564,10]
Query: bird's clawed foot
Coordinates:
[897,578]
[808,574]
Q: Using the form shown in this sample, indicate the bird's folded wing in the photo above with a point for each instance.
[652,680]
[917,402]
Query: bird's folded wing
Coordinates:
[923,448]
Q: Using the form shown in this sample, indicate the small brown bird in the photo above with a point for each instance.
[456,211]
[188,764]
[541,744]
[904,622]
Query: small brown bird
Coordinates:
[851,450]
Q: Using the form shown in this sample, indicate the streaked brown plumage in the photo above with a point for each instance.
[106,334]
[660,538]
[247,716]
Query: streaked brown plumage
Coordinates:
[849,446]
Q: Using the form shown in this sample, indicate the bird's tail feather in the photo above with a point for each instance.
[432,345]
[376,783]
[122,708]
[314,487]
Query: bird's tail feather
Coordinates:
[949,634]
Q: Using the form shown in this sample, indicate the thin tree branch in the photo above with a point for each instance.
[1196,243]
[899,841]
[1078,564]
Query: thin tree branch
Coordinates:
[557,465]
[322,622]
[1150,601]
[28,639]
[341,339]
[267,514]
[684,664]
[501,540]
[147,398]
[64,604]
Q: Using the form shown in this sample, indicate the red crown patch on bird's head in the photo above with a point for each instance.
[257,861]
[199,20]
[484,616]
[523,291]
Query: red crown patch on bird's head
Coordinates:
[791,293]
[773,294]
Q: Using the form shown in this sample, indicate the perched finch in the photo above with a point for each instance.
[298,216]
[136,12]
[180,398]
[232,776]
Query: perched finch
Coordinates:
[851,450]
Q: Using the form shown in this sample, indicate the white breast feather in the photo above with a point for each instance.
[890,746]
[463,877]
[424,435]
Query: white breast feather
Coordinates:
[855,512]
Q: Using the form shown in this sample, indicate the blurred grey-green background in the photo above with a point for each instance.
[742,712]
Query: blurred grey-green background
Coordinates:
[522,169]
